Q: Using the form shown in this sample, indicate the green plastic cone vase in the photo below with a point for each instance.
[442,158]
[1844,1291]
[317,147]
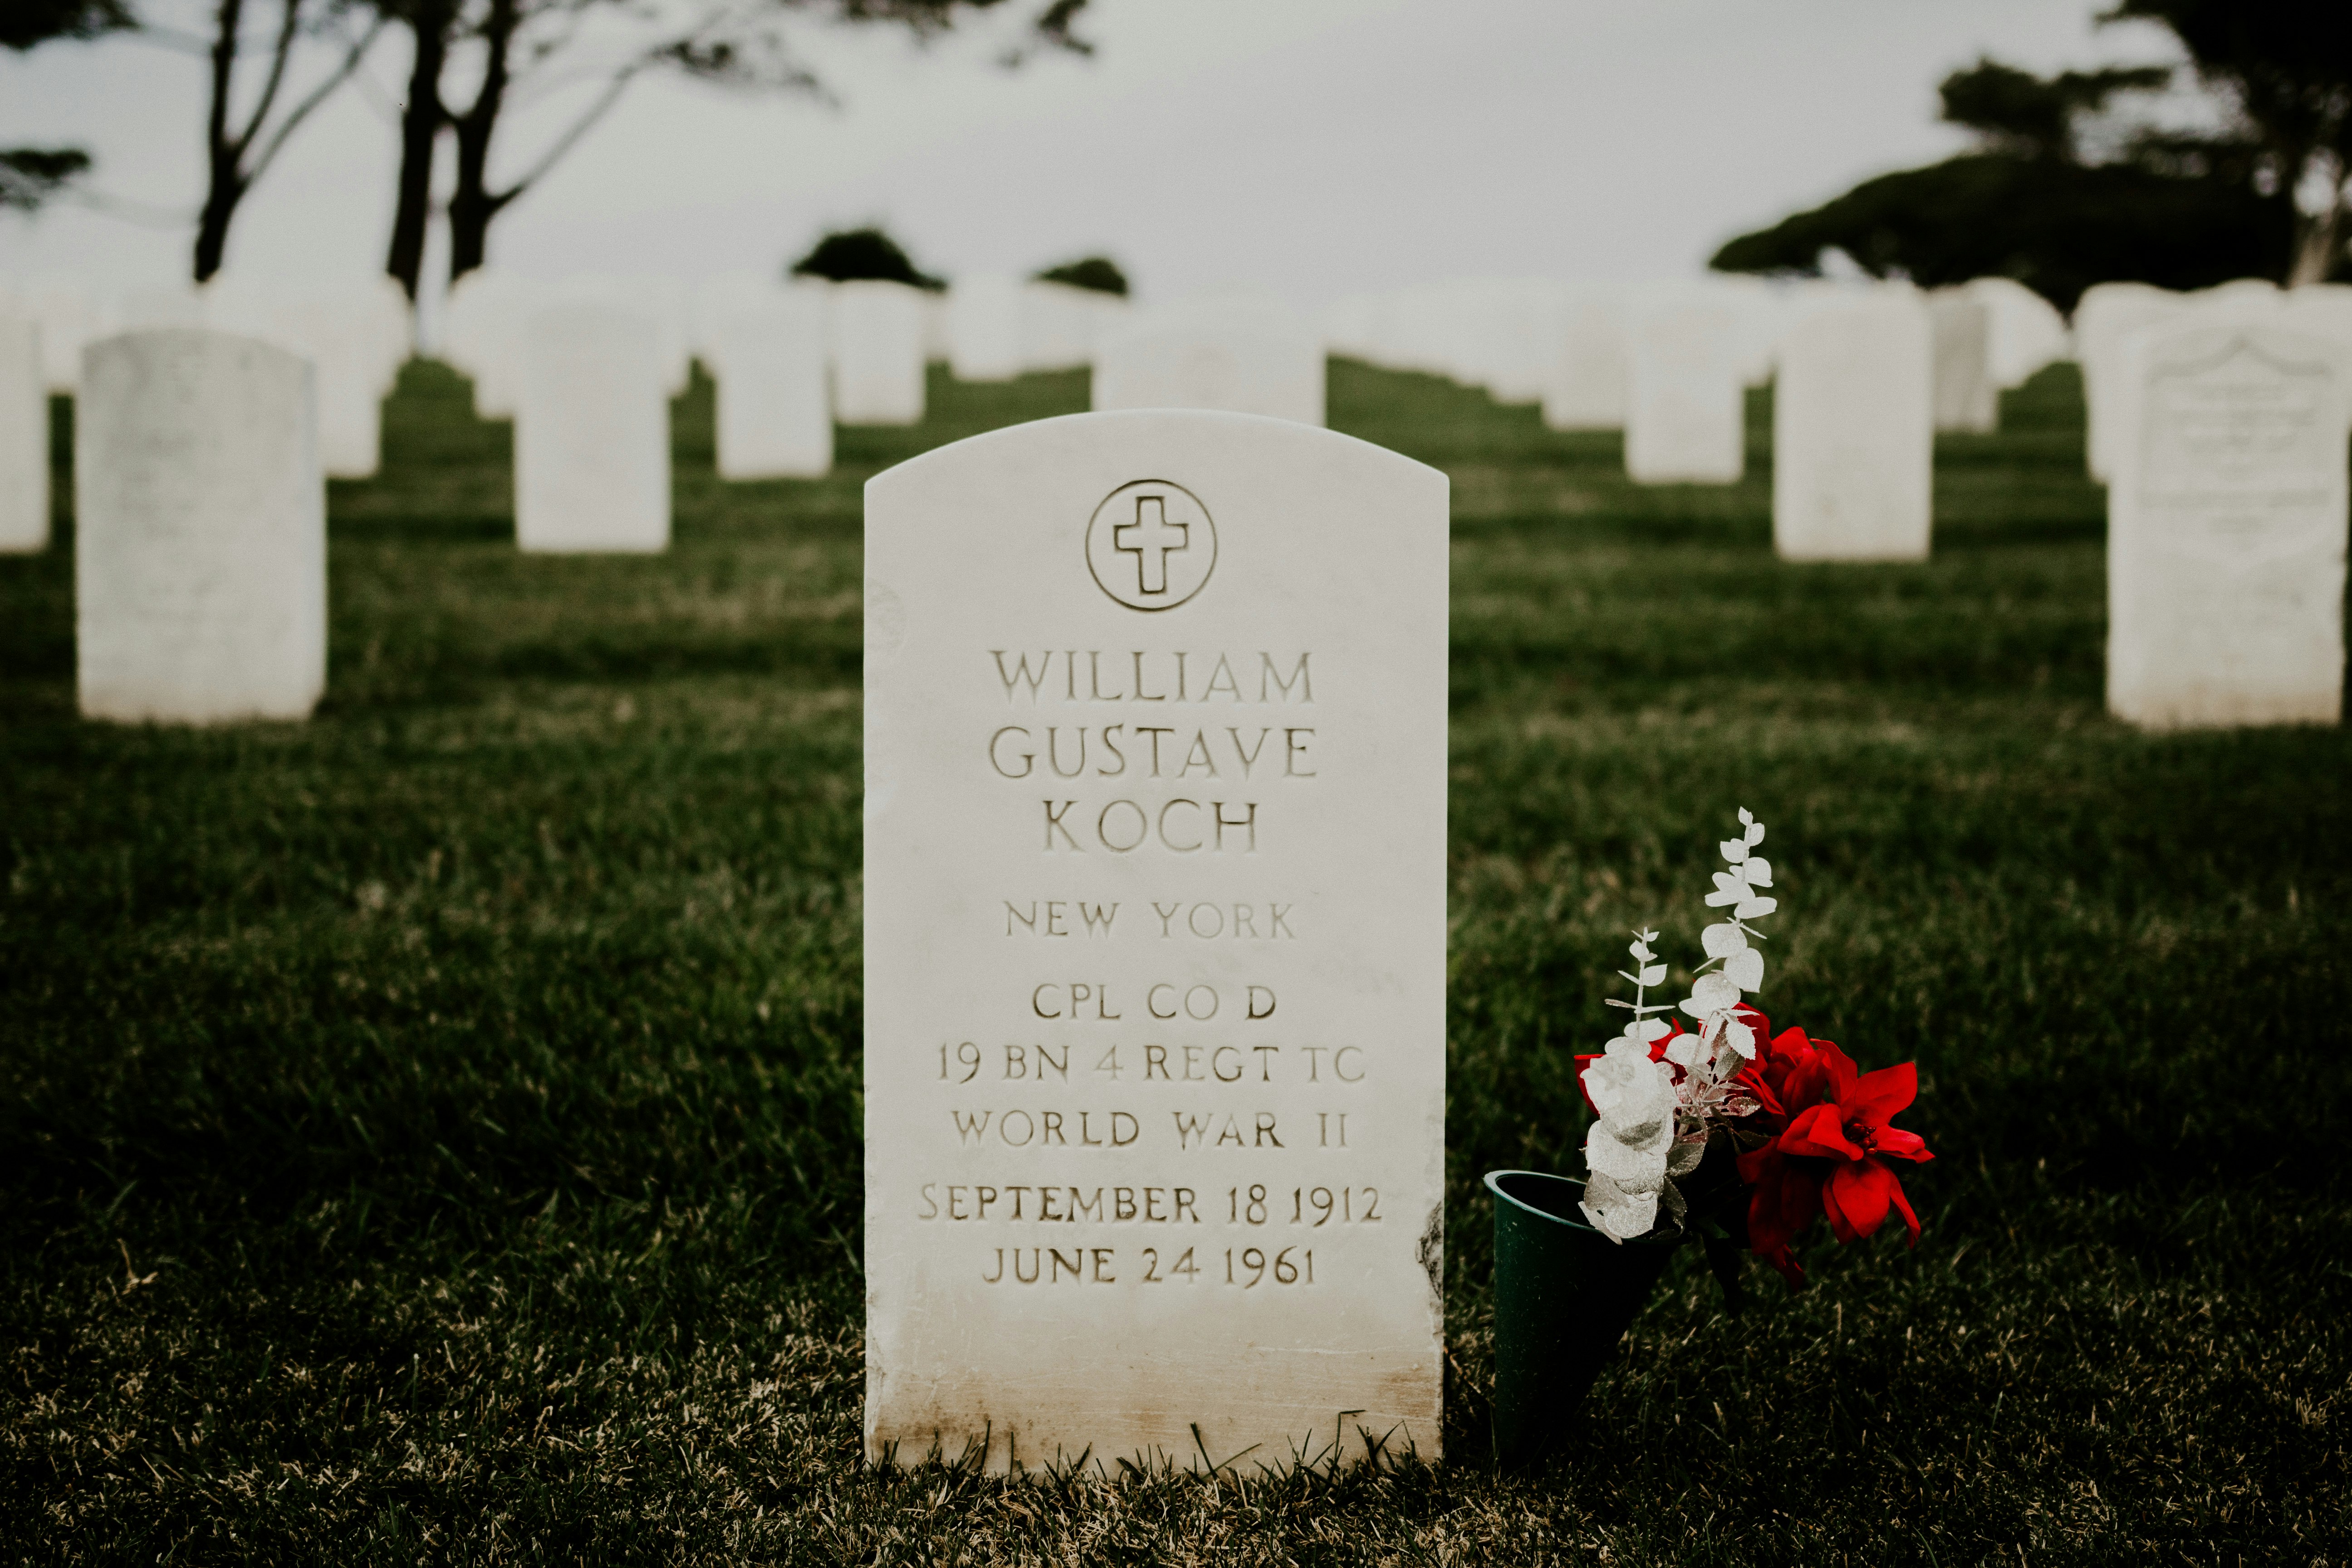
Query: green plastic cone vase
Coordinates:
[1563,1295]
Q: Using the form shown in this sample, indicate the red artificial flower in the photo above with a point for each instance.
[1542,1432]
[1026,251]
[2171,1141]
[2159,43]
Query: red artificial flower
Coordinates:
[1787,1071]
[1851,1128]
[1784,1197]
[1830,1160]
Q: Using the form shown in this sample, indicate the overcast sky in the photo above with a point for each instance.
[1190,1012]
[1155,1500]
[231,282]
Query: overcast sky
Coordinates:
[1306,147]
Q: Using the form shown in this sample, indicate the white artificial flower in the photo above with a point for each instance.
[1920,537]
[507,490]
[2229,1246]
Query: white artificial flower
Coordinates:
[1627,1148]
[1615,1212]
[1634,1095]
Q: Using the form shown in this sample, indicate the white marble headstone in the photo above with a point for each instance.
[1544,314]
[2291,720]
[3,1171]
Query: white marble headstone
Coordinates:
[1155,945]
[1060,324]
[2025,332]
[352,342]
[1240,356]
[1518,320]
[24,437]
[1853,437]
[1967,396]
[2105,315]
[878,333]
[200,548]
[1587,386]
[2226,527]
[68,317]
[775,412]
[983,327]
[145,309]
[1685,408]
[482,336]
[592,431]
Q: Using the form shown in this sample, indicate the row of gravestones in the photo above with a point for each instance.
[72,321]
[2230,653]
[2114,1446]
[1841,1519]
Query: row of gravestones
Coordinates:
[2222,557]
[1154,1051]
[1123,749]
[1584,351]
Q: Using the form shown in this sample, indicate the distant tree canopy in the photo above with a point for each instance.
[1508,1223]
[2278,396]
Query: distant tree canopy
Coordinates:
[1099,273]
[24,23]
[863,253]
[2065,190]
[2056,227]
[2282,68]
[31,176]
[2017,113]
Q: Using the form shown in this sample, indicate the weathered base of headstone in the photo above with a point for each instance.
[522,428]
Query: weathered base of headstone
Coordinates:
[200,548]
[1155,947]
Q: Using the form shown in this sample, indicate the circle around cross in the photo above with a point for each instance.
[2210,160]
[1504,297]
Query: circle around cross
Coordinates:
[1151,544]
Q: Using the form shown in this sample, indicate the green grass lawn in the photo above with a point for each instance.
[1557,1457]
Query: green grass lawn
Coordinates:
[431,1132]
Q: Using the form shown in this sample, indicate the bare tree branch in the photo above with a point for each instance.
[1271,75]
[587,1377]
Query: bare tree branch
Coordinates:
[287,32]
[318,95]
[579,128]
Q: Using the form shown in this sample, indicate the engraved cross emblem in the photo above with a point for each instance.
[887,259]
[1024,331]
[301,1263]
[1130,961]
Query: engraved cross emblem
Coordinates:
[1151,544]
[1151,538]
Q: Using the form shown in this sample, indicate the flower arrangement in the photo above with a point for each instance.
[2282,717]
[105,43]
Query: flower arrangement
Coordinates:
[1728,1130]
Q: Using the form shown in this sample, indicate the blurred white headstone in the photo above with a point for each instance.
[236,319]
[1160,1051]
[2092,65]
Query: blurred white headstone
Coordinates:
[2104,317]
[1852,436]
[1060,325]
[775,409]
[1516,322]
[984,325]
[2226,527]
[1586,390]
[879,330]
[592,433]
[2250,301]
[721,295]
[356,337]
[1966,396]
[2324,309]
[1351,326]
[69,319]
[1240,356]
[1686,412]
[2025,331]
[24,437]
[200,549]
[1154,1090]
[144,309]
[1765,311]
[482,336]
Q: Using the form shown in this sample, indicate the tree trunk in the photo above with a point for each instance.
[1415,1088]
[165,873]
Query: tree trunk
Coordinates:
[224,184]
[212,226]
[473,205]
[420,133]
